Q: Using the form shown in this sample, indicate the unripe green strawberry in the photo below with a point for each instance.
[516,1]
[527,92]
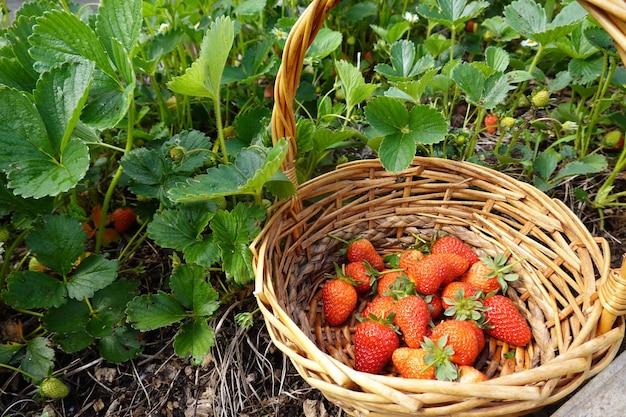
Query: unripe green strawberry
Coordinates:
[4,234]
[540,99]
[34,265]
[53,388]
[220,201]
[507,122]
[177,153]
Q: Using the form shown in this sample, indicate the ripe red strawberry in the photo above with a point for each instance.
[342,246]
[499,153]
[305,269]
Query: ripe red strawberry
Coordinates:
[339,299]
[363,250]
[410,257]
[480,334]
[436,270]
[380,307]
[123,219]
[491,123]
[451,244]
[412,317]
[363,275]
[435,304]
[450,293]
[386,281]
[505,322]
[374,344]
[461,337]
[410,363]
[470,375]
[490,274]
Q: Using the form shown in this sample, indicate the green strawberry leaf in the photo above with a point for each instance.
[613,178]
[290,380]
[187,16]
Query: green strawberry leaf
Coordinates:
[451,13]
[353,84]
[325,43]
[60,96]
[204,77]
[38,359]
[190,286]
[120,20]
[528,18]
[387,115]
[194,340]
[30,290]
[60,37]
[182,229]
[8,351]
[412,91]
[152,311]
[40,157]
[70,317]
[122,345]
[589,164]
[405,64]
[470,80]
[233,241]
[73,341]
[67,245]
[256,62]
[253,167]
[108,103]
[92,274]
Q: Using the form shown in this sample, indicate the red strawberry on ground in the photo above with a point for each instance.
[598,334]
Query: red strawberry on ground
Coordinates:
[410,363]
[374,344]
[461,337]
[123,219]
[339,299]
[505,322]
[436,270]
[363,250]
[451,244]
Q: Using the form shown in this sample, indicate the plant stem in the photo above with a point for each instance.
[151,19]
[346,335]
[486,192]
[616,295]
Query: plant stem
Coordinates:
[118,174]
[6,265]
[21,371]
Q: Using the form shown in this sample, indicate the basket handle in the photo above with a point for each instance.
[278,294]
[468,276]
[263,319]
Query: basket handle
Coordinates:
[611,14]
[300,38]
[612,295]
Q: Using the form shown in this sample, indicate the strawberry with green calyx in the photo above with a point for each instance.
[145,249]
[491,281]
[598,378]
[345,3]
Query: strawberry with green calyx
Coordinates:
[53,388]
[339,298]
[387,279]
[613,141]
[363,275]
[410,363]
[463,302]
[374,344]
[411,312]
[461,336]
[435,270]
[435,304]
[451,244]
[490,274]
[505,322]
[361,249]
[507,122]
[439,357]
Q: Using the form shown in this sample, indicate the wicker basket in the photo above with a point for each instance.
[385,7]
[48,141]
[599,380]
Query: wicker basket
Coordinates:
[571,297]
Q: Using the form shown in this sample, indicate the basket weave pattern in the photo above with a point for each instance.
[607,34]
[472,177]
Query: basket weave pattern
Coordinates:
[571,298]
